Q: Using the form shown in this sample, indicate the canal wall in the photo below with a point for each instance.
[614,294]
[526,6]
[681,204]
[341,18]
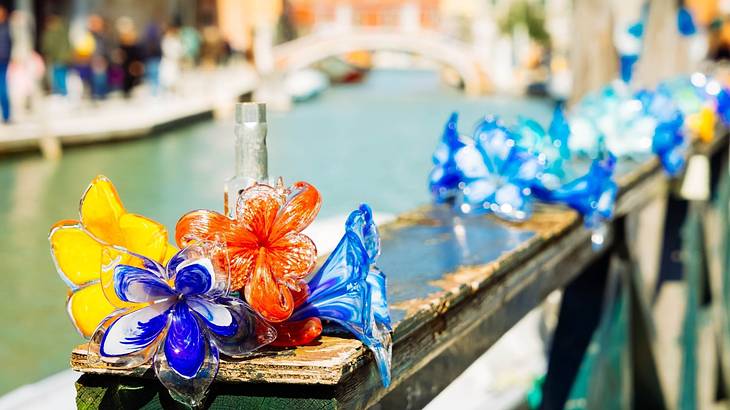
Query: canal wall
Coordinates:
[63,122]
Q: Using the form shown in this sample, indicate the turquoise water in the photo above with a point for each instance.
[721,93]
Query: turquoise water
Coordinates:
[369,142]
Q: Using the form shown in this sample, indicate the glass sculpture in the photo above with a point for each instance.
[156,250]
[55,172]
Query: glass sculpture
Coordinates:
[504,171]
[76,250]
[140,300]
[180,317]
[269,254]
[351,291]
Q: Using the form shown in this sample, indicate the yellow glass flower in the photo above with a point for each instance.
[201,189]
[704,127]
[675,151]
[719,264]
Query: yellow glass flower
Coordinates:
[76,248]
[703,124]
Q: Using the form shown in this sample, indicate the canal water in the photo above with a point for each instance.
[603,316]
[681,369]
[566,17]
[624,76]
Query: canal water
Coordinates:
[368,142]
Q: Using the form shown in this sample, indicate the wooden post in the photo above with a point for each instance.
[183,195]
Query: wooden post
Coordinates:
[594,61]
[665,51]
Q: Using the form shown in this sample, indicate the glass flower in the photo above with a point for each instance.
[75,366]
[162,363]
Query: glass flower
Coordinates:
[455,159]
[668,142]
[180,317]
[76,250]
[351,291]
[269,256]
[723,105]
[550,147]
[593,195]
[632,124]
[502,185]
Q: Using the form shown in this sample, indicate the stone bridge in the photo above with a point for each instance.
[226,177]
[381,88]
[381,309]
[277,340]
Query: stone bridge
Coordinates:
[309,49]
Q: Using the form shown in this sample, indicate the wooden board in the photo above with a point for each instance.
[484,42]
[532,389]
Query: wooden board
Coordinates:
[456,284]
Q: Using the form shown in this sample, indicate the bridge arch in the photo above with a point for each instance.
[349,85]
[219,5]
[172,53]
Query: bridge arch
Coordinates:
[307,50]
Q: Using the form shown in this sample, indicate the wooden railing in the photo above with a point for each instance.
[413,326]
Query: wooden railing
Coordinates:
[456,285]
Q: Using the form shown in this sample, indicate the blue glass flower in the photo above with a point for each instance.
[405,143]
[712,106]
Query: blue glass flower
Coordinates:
[633,124]
[351,291]
[550,147]
[669,142]
[593,195]
[180,317]
[454,160]
[502,185]
[723,105]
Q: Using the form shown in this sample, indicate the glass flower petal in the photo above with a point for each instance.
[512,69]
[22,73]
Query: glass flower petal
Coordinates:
[76,254]
[100,210]
[194,277]
[116,262]
[236,329]
[593,195]
[340,291]
[87,307]
[269,297]
[185,344]
[446,174]
[257,208]
[132,331]
[292,257]
[143,236]
[297,333]
[302,205]
[204,225]
[190,390]
[133,284]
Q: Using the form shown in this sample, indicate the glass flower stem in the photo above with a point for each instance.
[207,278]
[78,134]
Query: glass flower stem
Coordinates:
[250,149]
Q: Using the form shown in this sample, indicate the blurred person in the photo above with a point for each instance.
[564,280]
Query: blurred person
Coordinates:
[130,55]
[83,45]
[26,67]
[100,57]
[6,47]
[56,48]
[190,39]
[172,55]
[152,44]
[212,50]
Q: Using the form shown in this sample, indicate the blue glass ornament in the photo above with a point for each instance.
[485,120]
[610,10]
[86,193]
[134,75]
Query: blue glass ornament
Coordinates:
[351,291]
[668,142]
[685,22]
[634,124]
[551,147]
[502,185]
[723,105]
[454,158]
[181,318]
[593,195]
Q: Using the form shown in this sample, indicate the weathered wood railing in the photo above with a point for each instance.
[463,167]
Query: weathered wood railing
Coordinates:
[456,285]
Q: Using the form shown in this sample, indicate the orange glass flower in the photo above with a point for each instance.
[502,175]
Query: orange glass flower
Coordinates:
[268,254]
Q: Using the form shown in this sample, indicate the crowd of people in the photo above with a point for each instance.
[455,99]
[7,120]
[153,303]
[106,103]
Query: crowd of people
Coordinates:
[97,58]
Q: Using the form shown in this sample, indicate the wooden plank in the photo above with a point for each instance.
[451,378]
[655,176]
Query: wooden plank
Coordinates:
[456,284]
